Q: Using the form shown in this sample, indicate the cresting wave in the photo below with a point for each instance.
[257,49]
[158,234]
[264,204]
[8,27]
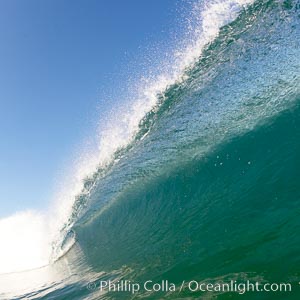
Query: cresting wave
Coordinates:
[54,230]
[145,100]
[218,114]
[195,104]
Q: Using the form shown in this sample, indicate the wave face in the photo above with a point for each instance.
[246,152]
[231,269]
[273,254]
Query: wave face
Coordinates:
[207,188]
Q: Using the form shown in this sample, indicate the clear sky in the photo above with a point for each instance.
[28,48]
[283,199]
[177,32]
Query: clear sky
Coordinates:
[55,56]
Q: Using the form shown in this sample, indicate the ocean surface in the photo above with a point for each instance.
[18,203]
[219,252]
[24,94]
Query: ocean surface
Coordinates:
[207,187]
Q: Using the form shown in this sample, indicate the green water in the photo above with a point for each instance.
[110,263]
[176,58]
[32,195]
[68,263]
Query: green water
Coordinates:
[233,214]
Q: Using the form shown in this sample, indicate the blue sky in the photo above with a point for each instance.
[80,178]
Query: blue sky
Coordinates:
[56,58]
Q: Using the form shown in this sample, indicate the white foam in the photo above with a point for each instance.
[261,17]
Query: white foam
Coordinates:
[24,242]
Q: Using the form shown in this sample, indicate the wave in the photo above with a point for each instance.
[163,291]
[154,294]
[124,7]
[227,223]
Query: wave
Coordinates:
[149,100]
[120,134]
[188,154]
[207,104]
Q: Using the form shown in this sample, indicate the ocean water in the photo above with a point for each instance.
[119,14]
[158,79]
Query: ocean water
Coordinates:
[206,185]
